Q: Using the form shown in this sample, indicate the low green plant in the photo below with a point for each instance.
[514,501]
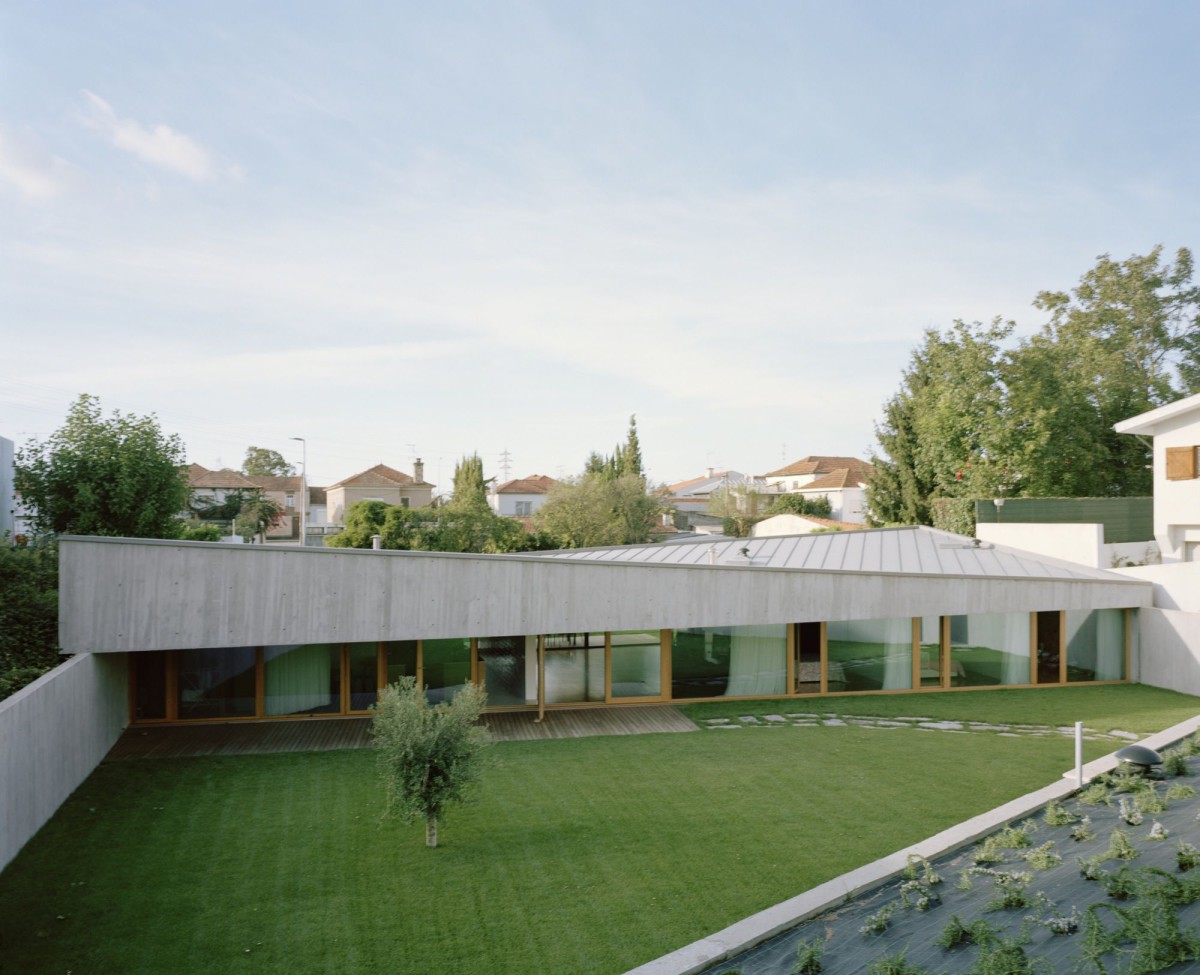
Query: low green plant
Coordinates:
[1056,814]
[1006,957]
[1175,762]
[894,965]
[1119,848]
[1190,745]
[1126,779]
[1016,837]
[1056,922]
[878,922]
[1149,801]
[1012,891]
[1042,857]
[1090,869]
[1187,856]
[913,893]
[1158,832]
[956,934]
[1095,794]
[919,868]
[809,955]
[1128,811]
[989,851]
[1179,790]
[1151,924]
[1121,885]
[1083,830]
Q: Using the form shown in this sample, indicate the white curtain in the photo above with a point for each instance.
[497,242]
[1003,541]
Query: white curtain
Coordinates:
[757,661]
[298,678]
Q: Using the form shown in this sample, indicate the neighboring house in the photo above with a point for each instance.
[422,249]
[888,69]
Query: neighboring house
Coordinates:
[8,496]
[217,486]
[842,480]
[692,500]
[789,524]
[521,498]
[378,483]
[1176,432]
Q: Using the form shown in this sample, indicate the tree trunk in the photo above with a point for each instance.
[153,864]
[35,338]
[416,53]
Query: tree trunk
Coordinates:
[431,831]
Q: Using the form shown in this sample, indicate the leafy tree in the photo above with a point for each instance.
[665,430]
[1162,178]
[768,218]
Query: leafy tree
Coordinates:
[429,754]
[625,459]
[258,515]
[199,531]
[740,506]
[263,462]
[28,615]
[446,529]
[798,504]
[95,476]
[979,415]
[470,489]
[597,510]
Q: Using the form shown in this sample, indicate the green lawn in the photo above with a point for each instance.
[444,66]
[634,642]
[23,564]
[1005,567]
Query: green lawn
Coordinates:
[580,856]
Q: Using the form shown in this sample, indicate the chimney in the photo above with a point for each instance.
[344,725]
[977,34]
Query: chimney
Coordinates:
[418,470]
[710,473]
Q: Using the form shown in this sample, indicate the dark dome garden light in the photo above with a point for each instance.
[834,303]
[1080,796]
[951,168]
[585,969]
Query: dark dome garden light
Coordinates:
[1143,759]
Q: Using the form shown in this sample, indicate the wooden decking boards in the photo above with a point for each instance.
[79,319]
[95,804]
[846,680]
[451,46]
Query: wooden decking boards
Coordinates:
[330,734]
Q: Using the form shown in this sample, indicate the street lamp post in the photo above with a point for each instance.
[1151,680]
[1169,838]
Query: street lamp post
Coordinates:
[303,488]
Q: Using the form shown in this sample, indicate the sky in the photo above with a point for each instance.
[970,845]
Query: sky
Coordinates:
[404,230]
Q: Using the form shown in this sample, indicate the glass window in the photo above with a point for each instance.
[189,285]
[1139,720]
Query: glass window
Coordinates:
[871,655]
[149,685]
[574,667]
[217,682]
[636,663]
[989,648]
[364,674]
[931,651]
[445,667]
[401,659]
[303,678]
[1095,644]
[733,661]
[504,664]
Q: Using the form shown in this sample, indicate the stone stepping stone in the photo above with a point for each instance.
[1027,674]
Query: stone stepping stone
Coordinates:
[775,717]
[833,722]
[749,719]
[1128,736]
[943,725]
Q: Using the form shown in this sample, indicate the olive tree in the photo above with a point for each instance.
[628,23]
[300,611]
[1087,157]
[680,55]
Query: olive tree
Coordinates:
[429,754]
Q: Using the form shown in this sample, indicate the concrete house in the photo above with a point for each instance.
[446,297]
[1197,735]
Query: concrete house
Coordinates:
[378,483]
[843,480]
[522,497]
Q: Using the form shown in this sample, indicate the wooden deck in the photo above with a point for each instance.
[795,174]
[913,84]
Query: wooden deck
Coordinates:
[331,734]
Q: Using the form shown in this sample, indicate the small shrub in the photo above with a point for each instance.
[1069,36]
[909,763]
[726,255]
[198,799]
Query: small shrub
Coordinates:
[878,922]
[808,957]
[1129,812]
[1190,745]
[1057,923]
[1006,957]
[1157,832]
[1187,856]
[1179,790]
[913,893]
[1095,794]
[989,851]
[1012,892]
[1057,814]
[1083,830]
[1042,857]
[894,965]
[1149,801]
[1089,868]
[918,868]
[955,933]
[1175,762]
[1126,779]
[1119,848]
[1121,885]
[1016,837]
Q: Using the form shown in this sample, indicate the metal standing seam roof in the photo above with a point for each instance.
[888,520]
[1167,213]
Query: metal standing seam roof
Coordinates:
[918,550]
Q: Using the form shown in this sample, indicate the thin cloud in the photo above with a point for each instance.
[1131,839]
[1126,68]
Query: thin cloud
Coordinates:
[34,173]
[160,146]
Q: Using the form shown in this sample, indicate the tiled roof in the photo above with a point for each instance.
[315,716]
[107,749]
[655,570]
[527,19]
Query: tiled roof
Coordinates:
[270,483]
[378,476]
[534,484]
[202,477]
[822,465]
[836,479]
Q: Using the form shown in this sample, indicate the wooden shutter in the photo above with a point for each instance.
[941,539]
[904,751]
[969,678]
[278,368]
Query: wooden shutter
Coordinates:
[1181,463]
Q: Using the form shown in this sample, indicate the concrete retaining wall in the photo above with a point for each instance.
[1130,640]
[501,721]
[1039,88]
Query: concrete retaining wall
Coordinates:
[1169,642]
[52,734]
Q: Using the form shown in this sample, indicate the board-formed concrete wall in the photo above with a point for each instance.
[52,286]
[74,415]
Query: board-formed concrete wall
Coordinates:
[123,595]
[1169,649]
[52,734]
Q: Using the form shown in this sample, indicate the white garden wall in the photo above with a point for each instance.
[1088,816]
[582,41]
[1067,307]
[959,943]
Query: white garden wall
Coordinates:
[52,734]
[1169,649]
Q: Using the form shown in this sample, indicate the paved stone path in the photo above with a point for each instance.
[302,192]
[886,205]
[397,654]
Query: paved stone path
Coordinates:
[805,719]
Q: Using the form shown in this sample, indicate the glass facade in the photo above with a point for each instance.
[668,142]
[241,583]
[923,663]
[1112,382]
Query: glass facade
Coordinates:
[695,663]
[989,648]
[871,655]
[1095,645]
[575,667]
[304,678]
[217,683]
